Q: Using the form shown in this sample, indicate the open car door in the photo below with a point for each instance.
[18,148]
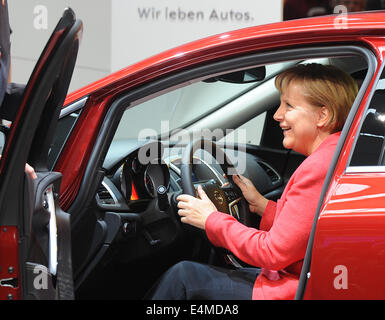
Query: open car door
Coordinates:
[35,242]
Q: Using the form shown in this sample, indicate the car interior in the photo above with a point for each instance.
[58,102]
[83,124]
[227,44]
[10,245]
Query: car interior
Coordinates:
[125,228]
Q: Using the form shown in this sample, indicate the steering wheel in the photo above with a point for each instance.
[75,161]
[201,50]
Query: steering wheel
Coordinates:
[227,198]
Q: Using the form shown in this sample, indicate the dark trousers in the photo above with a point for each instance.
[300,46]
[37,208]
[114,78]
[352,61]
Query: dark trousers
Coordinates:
[192,281]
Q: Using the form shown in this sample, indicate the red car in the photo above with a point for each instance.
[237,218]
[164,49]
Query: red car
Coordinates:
[100,221]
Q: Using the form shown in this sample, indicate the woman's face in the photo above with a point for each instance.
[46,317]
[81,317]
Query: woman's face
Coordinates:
[299,120]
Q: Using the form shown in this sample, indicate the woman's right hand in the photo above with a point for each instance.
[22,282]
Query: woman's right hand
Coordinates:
[257,202]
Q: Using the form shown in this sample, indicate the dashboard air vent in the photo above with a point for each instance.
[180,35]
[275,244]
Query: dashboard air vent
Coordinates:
[104,196]
[270,172]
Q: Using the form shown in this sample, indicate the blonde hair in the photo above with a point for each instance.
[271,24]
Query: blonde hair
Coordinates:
[323,86]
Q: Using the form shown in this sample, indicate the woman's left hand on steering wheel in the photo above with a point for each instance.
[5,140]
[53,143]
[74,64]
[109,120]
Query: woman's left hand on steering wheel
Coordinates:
[195,211]
[257,202]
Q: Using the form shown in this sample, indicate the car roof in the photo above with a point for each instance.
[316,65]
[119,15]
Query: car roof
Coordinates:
[281,34]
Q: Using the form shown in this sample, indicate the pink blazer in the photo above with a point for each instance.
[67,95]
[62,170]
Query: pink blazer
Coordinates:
[279,246]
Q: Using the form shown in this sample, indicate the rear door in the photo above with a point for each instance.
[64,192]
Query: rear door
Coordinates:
[35,255]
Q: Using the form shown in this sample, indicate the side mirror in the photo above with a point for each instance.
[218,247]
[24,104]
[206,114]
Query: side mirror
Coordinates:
[243,76]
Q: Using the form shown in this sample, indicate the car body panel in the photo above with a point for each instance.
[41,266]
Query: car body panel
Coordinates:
[350,234]
[78,149]
[9,262]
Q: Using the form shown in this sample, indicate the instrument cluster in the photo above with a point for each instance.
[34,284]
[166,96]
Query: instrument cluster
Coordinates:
[144,179]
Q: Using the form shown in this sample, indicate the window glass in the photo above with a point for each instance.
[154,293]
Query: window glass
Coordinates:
[62,132]
[177,108]
[183,106]
[253,129]
[369,149]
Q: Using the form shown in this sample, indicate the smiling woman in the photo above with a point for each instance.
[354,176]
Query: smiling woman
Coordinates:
[311,124]
[315,101]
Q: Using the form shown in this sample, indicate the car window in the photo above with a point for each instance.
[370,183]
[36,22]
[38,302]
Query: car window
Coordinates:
[62,132]
[183,106]
[369,148]
[253,131]
[178,107]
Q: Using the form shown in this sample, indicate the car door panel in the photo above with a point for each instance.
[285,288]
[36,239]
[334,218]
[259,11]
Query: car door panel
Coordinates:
[9,260]
[48,255]
[31,205]
[350,240]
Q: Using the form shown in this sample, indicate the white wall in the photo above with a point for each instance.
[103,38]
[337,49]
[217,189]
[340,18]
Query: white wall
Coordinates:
[118,33]
[142,28]
[32,22]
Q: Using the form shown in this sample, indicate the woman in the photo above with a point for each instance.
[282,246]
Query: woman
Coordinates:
[315,101]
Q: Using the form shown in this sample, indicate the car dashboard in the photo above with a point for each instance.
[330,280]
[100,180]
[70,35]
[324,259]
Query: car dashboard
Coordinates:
[139,171]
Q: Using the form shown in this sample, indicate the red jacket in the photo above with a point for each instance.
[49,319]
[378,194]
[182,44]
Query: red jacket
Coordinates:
[279,246]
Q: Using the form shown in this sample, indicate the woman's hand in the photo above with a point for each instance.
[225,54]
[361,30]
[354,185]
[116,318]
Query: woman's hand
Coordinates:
[257,202]
[195,211]
[30,171]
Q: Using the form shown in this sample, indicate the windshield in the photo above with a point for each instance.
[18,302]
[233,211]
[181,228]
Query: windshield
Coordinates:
[181,107]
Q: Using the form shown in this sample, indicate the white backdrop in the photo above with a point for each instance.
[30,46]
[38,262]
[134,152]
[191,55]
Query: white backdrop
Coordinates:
[118,33]
[141,28]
